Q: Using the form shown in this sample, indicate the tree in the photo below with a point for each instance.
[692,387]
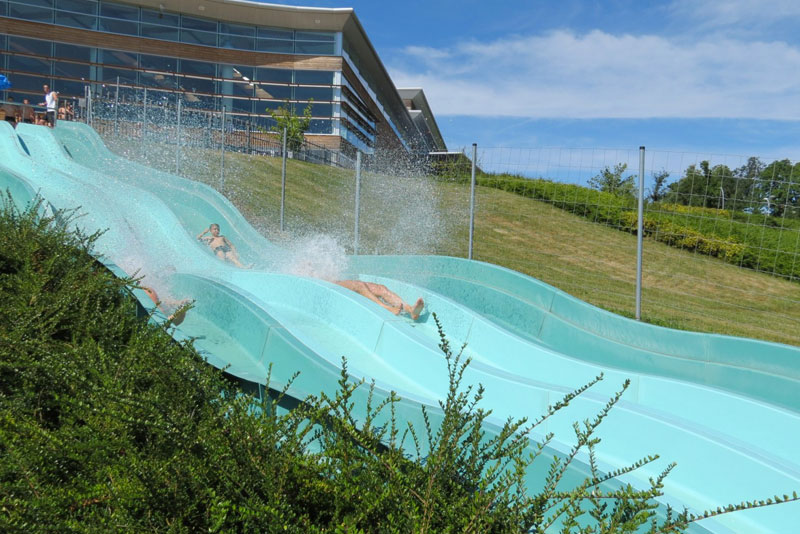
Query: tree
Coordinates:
[296,126]
[778,185]
[611,181]
[659,185]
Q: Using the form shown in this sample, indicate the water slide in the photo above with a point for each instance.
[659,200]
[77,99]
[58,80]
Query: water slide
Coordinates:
[725,409]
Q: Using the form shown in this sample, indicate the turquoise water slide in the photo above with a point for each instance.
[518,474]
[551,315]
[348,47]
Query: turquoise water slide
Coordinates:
[726,409]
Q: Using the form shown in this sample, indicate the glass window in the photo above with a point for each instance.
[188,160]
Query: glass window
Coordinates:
[275,33]
[158,63]
[118,11]
[165,33]
[274,75]
[29,64]
[313,47]
[317,126]
[274,92]
[74,20]
[237,72]
[68,88]
[237,29]
[3,11]
[313,36]
[275,45]
[116,57]
[201,68]
[157,80]
[40,3]
[314,77]
[192,23]
[29,46]
[71,70]
[30,83]
[242,105]
[199,37]
[237,89]
[109,75]
[30,12]
[123,27]
[153,16]
[321,110]
[198,85]
[68,51]
[88,7]
[316,93]
[236,42]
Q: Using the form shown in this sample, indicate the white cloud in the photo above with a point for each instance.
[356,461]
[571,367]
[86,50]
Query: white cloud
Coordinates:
[736,12]
[562,74]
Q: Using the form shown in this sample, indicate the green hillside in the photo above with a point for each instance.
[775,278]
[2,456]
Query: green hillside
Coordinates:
[681,288]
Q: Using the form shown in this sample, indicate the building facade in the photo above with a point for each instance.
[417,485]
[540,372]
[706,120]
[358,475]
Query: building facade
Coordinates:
[244,57]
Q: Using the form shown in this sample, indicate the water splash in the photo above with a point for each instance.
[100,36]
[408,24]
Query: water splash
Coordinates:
[316,256]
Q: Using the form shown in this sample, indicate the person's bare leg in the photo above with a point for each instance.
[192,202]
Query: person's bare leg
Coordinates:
[394,299]
[363,289]
[176,318]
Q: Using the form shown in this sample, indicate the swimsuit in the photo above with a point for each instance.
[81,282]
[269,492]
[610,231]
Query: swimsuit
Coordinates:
[222,248]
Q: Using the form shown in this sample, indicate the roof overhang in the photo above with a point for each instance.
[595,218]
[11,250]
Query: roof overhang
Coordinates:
[417,97]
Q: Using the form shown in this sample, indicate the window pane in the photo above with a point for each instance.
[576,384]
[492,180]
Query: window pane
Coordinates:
[317,93]
[159,17]
[158,63]
[198,67]
[241,105]
[40,3]
[71,70]
[277,92]
[68,88]
[164,33]
[275,45]
[37,14]
[275,33]
[237,29]
[313,36]
[119,11]
[86,22]
[236,42]
[158,80]
[198,85]
[198,24]
[29,46]
[88,7]
[198,37]
[67,51]
[29,64]
[274,75]
[30,83]
[3,12]
[318,126]
[116,57]
[237,72]
[321,110]
[237,89]
[109,75]
[122,27]
[311,47]
[313,77]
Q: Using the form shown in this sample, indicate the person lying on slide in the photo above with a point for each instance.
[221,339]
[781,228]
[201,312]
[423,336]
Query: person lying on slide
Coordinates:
[180,310]
[221,245]
[381,295]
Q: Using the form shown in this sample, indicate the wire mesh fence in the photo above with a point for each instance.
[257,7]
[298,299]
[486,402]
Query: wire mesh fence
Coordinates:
[721,232]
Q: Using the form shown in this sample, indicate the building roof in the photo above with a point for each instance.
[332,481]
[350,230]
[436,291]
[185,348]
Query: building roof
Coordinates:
[423,116]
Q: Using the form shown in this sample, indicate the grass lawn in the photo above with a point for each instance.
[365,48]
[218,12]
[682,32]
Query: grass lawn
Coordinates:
[415,215]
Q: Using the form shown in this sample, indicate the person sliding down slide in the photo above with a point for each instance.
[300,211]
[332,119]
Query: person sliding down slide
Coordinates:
[382,295]
[221,246]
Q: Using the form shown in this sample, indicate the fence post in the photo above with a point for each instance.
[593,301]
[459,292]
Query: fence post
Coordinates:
[472,199]
[222,160]
[144,118]
[640,237]
[116,109]
[89,110]
[283,179]
[249,136]
[358,200]
[178,139]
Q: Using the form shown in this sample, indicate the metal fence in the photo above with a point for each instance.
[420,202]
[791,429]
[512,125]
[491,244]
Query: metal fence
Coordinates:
[719,235]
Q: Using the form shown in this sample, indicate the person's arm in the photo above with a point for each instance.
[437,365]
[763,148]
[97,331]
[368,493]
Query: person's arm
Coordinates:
[204,232]
[228,242]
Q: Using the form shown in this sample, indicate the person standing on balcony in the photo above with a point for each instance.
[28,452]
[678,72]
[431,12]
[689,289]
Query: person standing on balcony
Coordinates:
[51,101]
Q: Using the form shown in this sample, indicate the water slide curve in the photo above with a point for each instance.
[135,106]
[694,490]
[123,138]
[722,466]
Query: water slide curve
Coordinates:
[726,409]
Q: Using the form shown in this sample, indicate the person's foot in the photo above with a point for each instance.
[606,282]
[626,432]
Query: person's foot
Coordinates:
[417,309]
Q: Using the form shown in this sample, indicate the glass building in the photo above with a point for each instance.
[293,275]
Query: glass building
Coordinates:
[244,57]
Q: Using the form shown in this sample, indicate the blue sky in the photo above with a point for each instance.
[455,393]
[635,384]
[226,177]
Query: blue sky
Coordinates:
[683,75]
